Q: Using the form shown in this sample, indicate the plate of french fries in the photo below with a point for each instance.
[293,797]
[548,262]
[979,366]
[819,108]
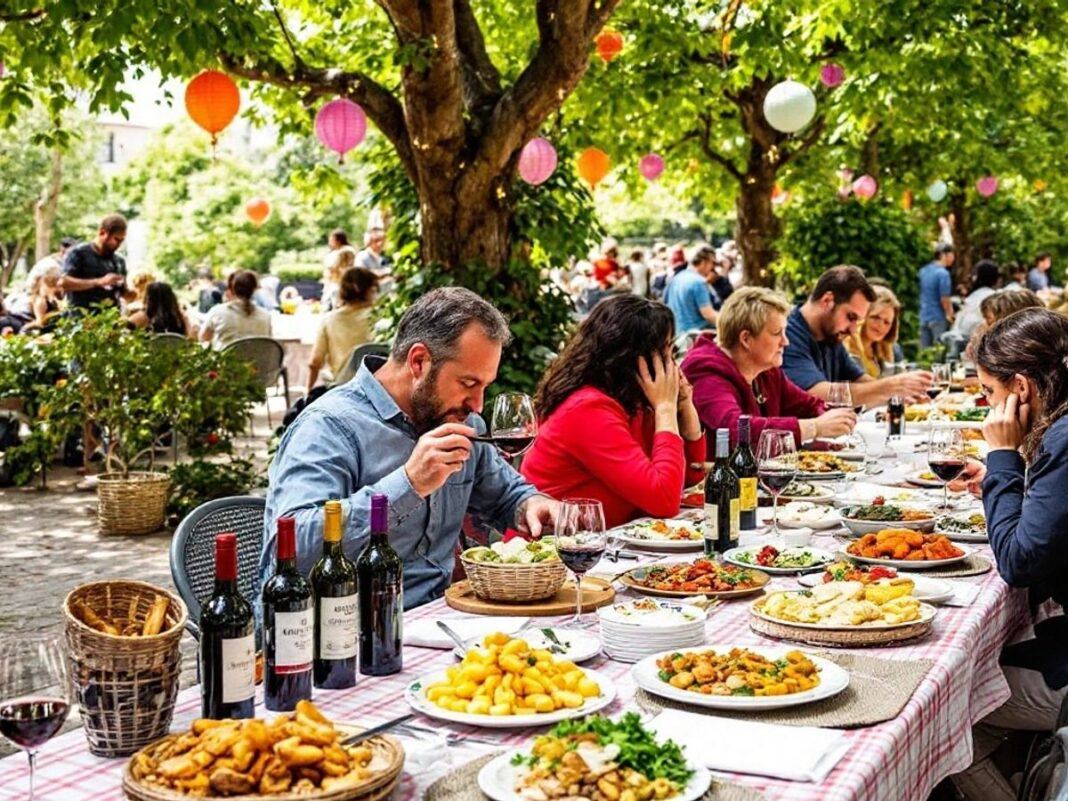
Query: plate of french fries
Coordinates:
[135,623]
[508,684]
[301,755]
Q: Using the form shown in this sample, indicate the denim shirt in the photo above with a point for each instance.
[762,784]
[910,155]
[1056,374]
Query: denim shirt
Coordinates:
[351,444]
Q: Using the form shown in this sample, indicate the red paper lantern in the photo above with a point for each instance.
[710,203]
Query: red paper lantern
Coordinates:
[212,100]
[609,45]
[258,210]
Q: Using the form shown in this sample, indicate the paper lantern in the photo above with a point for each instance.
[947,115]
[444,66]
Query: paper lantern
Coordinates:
[938,191]
[593,165]
[258,210]
[609,44]
[865,187]
[789,106]
[987,185]
[906,200]
[832,75]
[651,166]
[537,161]
[779,196]
[341,125]
[1040,185]
[212,100]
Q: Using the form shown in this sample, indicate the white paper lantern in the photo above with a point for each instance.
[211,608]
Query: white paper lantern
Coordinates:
[937,191]
[789,106]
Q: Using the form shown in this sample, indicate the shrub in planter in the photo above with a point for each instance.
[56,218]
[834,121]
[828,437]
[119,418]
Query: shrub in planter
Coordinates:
[201,481]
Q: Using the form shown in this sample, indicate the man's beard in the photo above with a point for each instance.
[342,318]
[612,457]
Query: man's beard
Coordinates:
[830,334]
[427,411]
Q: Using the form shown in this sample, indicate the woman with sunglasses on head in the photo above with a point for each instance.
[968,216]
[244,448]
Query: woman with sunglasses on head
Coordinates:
[616,421]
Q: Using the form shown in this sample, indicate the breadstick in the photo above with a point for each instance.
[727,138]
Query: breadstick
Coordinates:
[91,618]
[154,621]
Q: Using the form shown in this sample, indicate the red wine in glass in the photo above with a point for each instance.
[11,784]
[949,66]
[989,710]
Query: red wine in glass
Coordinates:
[580,560]
[775,481]
[946,469]
[511,445]
[31,722]
[933,392]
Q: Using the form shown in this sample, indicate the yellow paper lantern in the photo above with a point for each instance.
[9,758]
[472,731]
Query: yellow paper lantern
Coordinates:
[593,165]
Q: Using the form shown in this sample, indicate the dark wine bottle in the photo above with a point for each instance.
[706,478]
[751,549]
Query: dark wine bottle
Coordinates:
[381,577]
[895,416]
[721,500]
[744,465]
[288,620]
[333,581]
[227,642]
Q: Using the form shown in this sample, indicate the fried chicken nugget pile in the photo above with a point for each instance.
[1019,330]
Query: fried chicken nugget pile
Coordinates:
[218,758]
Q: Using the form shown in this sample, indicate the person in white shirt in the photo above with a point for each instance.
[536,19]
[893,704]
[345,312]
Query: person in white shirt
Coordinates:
[639,274]
[370,258]
[238,317]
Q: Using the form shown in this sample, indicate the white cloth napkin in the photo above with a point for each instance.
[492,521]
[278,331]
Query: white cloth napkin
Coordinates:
[425,633]
[794,753]
[963,595]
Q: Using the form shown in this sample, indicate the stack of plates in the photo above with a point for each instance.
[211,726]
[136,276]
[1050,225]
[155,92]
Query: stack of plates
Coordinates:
[633,630]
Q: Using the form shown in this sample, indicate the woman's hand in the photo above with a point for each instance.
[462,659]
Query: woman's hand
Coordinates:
[661,385]
[1007,424]
[971,479]
[836,422]
[689,422]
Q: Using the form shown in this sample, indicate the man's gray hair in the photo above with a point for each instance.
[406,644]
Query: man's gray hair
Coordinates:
[438,319]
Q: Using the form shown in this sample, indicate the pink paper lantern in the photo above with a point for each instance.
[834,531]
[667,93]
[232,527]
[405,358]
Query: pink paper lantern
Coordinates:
[832,75]
[651,166]
[865,187]
[537,161]
[987,185]
[341,125]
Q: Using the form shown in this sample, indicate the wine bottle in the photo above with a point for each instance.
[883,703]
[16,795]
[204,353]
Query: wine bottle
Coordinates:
[895,416]
[721,500]
[381,577]
[288,618]
[744,465]
[333,581]
[227,642]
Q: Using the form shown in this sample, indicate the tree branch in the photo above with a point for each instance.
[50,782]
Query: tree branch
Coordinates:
[813,135]
[22,16]
[481,79]
[297,60]
[705,140]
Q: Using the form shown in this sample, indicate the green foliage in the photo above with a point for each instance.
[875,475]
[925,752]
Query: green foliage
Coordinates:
[1014,226]
[298,272]
[200,481]
[876,236]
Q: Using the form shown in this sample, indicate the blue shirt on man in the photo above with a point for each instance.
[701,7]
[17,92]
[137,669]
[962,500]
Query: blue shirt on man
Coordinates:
[352,444]
[807,361]
[688,293]
[935,284]
[1037,280]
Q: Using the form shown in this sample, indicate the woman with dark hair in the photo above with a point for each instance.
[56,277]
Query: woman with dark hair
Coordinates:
[238,317]
[161,313]
[985,278]
[616,417]
[346,326]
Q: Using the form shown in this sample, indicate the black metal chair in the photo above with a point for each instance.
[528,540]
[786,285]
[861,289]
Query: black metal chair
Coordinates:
[193,550]
[348,372]
[269,358]
[1045,781]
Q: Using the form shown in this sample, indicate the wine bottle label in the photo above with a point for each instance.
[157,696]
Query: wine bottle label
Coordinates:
[736,525]
[293,641]
[337,627]
[711,521]
[748,494]
[238,669]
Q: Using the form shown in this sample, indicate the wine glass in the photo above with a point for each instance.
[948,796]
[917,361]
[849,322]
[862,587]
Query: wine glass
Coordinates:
[946,457]
[839,395]
[513,424]
[34,693]
[581,540]
[776,466]
[942,374]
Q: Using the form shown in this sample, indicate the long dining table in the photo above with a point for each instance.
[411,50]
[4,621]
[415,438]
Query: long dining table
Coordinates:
[898,760]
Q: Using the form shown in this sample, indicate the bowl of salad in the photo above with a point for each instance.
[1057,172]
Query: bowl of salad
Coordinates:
[870,517]
[781,561]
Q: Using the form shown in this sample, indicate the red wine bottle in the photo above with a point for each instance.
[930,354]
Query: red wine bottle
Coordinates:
[381,579]
[744,465]
[721,500]
[333,581]
[227,642]
[288,620]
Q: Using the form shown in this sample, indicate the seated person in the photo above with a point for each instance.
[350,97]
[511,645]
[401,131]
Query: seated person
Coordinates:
[985,278]
[874,345]
[741,373]
[616,420]
[1023,369]
[348,325]
[815,356]
[996,307]
[162,314]
[402,428]
[238,317]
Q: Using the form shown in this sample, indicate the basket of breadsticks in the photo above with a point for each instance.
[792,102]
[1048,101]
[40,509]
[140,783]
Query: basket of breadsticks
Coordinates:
[299,755]
[122,641]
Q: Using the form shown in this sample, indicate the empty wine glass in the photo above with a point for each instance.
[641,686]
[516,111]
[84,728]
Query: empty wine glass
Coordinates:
[581,541]
[513,425]
[34,693]
[776,466]
[942,375]
[946,456]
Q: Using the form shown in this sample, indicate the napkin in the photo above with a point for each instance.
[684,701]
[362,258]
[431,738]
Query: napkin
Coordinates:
[963,595]
[425,633]
[794,753]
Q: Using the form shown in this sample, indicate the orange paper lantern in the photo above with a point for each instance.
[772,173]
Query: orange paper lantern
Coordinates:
[609,44]
[906,200]
[593,165]
[212,100]
[258,210]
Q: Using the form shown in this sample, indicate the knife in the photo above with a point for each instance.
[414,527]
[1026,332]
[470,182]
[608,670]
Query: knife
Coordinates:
[375,730]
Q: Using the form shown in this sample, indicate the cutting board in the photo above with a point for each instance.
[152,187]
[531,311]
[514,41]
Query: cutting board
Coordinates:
[595,593]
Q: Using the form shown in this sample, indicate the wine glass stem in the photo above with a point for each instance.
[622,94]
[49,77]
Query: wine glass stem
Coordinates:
[775,515]
[32,756]
[945,496]
[578,601]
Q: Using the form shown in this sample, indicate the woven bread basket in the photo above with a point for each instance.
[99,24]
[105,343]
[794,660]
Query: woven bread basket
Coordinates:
[493,581]
[125,686]
[135,503]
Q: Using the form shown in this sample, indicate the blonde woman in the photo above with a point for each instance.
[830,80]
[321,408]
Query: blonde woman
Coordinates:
[44,295]
[139,282]
[874,343]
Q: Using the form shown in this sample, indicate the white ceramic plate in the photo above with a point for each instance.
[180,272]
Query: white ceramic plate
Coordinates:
[578,645]
[631,535]
[910,564]
[928,590]
[497,778]
[963,536]
[820,495]
[927,613]
[864,492]
[415,695]
[808,514]
[652,614]
[833,679]
[820,559]
[917,479]
[836,475]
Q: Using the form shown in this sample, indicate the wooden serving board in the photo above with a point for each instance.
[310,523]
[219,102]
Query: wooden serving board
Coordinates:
[596,593]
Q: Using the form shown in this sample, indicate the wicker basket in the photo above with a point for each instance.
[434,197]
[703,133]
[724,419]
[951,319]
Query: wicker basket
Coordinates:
[125,686]
[132,504]
[493,581]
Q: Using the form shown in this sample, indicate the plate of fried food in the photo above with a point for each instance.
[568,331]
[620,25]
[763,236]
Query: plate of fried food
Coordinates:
[740,677]
[963,526]
[928,590]
[822,466]
[844,605]
[663,535]
[907,549]
[599,759]
[508,684]
[869,517]
[700,577]
[296,756]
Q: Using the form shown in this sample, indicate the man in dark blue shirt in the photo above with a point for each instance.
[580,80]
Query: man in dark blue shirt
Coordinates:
[815,356]
[93,272]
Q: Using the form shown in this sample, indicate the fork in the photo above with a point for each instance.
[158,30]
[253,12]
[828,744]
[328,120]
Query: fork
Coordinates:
[451,738]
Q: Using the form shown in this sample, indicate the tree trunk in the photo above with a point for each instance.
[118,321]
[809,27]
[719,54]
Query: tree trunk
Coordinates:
[757,227]
[962,235]
[44,213]
[474,229]
[12,253]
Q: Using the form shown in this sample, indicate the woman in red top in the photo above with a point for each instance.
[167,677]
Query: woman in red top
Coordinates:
[616,418]
[741,373]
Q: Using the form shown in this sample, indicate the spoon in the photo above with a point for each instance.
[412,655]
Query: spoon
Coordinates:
[462,644]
